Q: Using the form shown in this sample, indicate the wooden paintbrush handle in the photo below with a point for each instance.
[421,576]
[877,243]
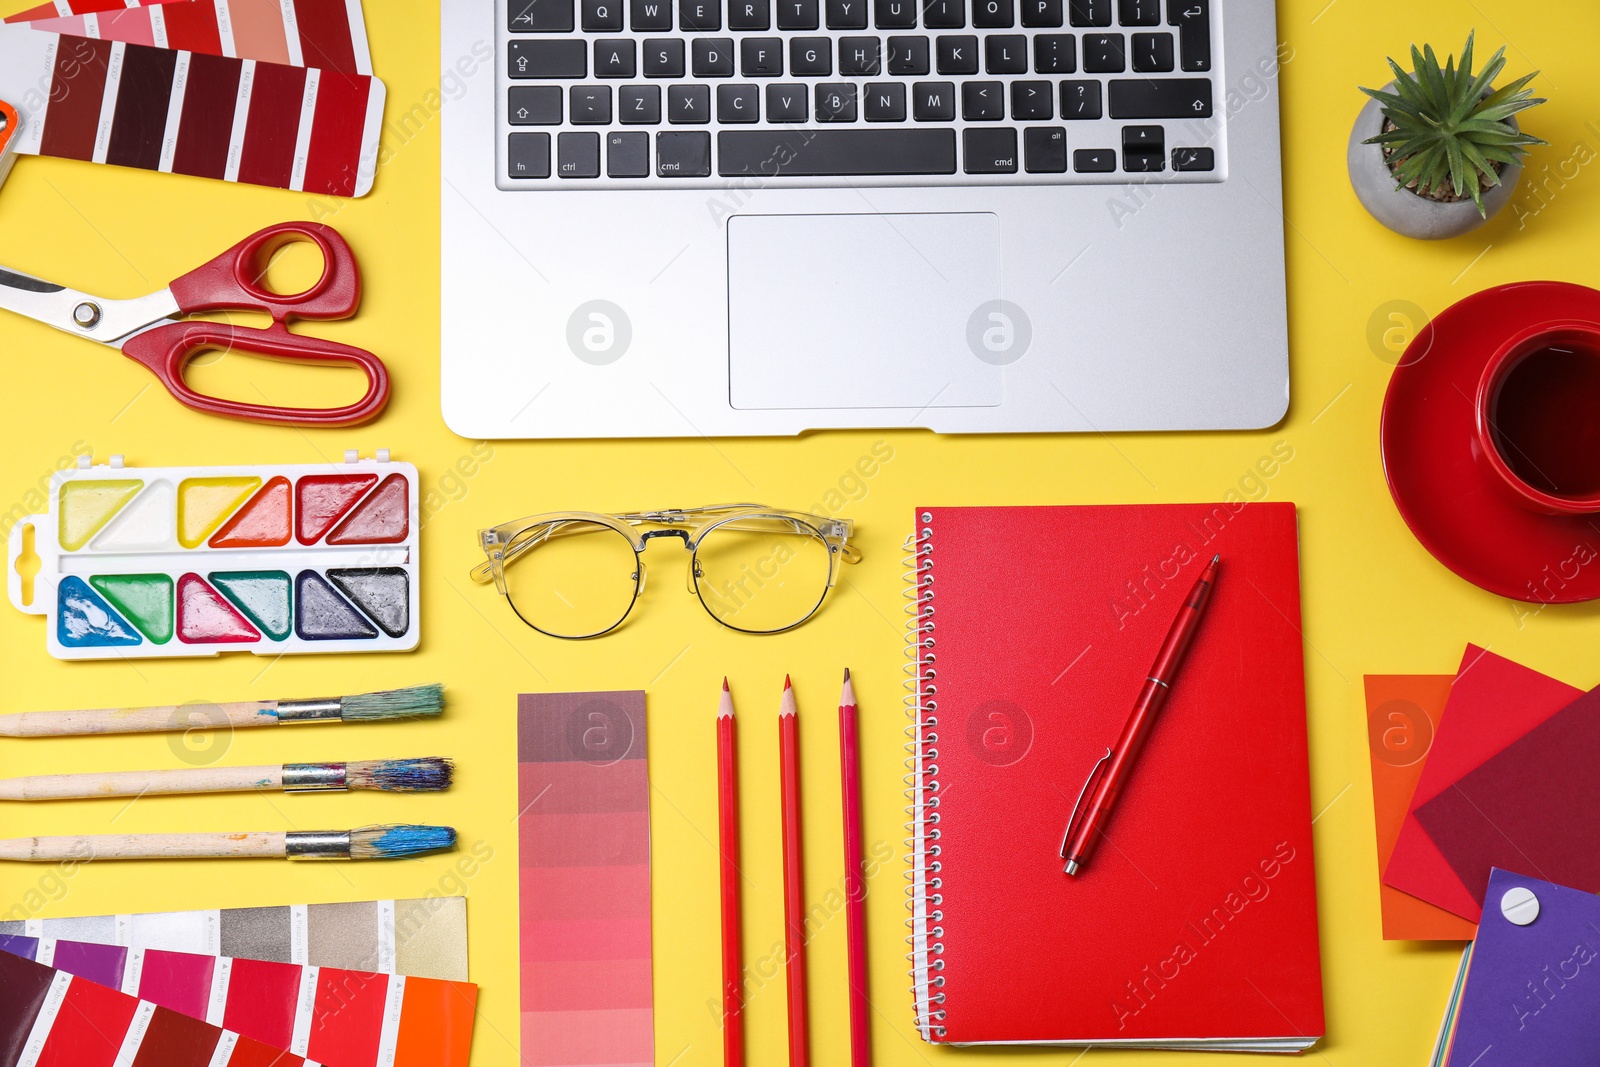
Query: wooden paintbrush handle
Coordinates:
[142,847]
[142,783]
[172,718]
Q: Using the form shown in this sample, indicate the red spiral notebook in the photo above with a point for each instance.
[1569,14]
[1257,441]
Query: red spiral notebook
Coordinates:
[1195,923]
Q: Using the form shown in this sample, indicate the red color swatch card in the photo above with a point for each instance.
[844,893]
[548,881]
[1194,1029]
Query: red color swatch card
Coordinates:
[49,1018]
[1493,701]
[63,8]
[1194,924]
[583,824]
[135,105]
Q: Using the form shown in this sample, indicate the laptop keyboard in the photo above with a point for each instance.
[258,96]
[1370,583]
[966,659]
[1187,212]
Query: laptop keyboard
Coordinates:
[719,93]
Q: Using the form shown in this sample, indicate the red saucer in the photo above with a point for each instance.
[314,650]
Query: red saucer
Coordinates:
[1447,498]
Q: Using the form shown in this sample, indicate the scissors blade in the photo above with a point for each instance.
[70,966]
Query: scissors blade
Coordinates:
[106,321]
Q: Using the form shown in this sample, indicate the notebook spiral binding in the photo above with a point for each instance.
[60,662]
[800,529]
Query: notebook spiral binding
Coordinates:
[923,880]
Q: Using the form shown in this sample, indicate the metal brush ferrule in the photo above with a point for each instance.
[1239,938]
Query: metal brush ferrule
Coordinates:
[310,710]
[314,777]
[317,844]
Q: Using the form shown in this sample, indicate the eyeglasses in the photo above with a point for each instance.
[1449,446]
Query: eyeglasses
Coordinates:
[577,574]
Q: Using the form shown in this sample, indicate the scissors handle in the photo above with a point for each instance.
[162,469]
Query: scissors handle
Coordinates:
[167,350]
[236,279]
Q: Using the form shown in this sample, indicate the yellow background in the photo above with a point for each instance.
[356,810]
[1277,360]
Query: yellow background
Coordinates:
[1374,600]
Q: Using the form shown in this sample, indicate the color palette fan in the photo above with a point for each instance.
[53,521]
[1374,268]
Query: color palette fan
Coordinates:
[192,561]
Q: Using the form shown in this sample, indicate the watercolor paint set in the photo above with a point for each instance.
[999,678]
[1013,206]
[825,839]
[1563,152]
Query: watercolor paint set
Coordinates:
[328,1014]
[194,561]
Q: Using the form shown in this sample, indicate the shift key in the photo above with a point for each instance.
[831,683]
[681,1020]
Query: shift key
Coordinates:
[544,58]
[1159,98]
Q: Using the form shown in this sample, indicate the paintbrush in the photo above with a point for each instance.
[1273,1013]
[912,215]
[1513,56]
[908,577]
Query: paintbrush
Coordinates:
[363,843]
[419,701]
[429,775]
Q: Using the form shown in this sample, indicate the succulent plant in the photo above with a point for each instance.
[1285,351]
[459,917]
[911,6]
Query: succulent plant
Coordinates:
[1447,133]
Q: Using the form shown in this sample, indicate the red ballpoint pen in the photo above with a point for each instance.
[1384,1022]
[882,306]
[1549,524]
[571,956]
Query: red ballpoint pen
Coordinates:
[1116,766]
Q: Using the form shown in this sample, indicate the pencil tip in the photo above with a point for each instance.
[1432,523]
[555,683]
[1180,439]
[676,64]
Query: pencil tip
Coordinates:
[724,683]
[847,674]
[786,683]
[1216,559]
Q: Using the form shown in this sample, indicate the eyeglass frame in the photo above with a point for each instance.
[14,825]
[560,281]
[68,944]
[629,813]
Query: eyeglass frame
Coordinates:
[680,523]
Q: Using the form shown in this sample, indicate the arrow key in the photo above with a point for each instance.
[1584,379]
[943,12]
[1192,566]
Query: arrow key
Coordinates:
[534,105]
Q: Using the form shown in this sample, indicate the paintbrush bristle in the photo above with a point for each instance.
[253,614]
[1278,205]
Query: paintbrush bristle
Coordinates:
[418,701]
[399,842]
[432,774]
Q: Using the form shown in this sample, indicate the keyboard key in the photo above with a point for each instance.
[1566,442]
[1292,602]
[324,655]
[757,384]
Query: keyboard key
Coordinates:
[539,16]
[628,155]
[836,102]
[933,101]
[1032,100]
[1193,19]
[991,151]
[738,103]
[663,58]
[1103,53]
[699,16]
[589,105]
[1054,53]
[798,15]
[683,154]
[602,16]
[846,14]
[1080,100]
[993,14]
[895,14]
[528,155]
[811,55]
[761,57]
[944,14]
[711,57]
[1160,98]
[534,105]
[815,153]
[908,55]
[1152,52]
[749,14]
[1193,159]
[614,58]
[688,104]
[958,55]
[1143,148]
[578,155]
[858,55]
[650,16]
[1094,160]
[787,103]
[1044,150]
[1139,12]
[548,59]
[1043,13]
[983,101]
[884,102]
[1005,54]
[639,105]
[1089,12]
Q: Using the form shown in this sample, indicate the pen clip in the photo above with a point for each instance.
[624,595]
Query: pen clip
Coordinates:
[1088,784]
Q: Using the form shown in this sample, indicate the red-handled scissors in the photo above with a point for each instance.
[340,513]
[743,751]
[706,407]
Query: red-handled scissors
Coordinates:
[152,329]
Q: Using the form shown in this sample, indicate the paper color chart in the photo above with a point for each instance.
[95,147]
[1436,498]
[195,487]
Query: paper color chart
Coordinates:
[584,833]
[329,34]
[337,1017]
[182,112]
[48,1018]
[62,8]
[424,936]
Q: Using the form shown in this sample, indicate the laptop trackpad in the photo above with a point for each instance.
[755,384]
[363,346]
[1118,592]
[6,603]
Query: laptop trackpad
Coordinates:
[863,311]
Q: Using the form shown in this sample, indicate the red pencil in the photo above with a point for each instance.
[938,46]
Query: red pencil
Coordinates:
[854,883]
[728,825]
[794,888]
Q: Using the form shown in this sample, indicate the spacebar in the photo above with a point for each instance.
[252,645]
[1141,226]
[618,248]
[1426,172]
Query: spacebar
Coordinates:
[819,153]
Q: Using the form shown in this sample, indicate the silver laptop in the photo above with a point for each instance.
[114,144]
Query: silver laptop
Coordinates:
[731,217]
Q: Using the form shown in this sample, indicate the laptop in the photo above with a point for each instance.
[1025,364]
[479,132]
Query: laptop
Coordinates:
[672,218]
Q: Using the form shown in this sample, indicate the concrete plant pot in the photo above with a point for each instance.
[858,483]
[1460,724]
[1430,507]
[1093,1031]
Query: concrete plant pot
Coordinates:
[1400,209]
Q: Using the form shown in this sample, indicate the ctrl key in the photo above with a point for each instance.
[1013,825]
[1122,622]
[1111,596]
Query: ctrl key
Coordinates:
[528,155]
[683,154]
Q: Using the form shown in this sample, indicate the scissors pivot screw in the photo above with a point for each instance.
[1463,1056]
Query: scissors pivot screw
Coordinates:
[86,315]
